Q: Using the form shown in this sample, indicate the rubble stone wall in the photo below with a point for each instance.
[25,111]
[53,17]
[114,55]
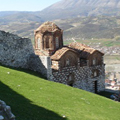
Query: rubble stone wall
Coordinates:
[41,64]
[5,112]
[18,52]
[14,51]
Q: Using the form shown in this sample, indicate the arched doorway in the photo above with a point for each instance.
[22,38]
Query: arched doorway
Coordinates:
[95,86]
[70,81]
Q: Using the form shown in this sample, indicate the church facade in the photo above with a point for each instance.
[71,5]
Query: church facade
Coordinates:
[75,65]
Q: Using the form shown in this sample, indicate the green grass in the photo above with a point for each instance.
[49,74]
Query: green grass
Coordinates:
[94,42]
[34,98]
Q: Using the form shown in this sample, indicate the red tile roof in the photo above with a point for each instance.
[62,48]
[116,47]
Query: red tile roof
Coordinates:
[47,26]
[83,49]
[59,53]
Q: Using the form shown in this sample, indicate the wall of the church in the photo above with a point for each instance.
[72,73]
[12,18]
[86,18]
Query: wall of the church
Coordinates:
[82,77]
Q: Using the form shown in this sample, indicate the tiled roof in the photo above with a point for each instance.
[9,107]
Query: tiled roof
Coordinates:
[83,49]
[47,26]
[59,53]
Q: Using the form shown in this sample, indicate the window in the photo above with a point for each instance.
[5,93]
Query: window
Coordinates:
[47,43]
[94,61]
[38,43]
[67,62]
[71,79]
[95,74]
[57,43]
[83,62]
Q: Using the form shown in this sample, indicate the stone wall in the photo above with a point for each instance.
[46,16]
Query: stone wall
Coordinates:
[14,51]
[41,64]
[82,77]
[18,52]
[5,112]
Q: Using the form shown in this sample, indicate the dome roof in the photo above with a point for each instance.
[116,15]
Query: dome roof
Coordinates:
[48,27]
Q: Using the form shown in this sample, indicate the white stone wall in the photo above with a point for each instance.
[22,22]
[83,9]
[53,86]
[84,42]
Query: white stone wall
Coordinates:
[41,64]
[46,61]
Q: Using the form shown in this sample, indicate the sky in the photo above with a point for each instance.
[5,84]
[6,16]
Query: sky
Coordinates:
[25,5]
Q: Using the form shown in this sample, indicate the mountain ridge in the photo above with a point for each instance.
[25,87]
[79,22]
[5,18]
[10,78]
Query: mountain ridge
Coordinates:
[74,8]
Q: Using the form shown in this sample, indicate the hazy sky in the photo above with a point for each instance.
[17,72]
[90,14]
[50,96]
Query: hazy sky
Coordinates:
[25,5]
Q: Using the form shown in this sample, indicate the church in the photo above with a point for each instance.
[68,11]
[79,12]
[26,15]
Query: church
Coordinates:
[76,64]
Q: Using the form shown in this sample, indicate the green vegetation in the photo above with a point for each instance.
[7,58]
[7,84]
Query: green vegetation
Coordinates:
[95,42]
[34,98]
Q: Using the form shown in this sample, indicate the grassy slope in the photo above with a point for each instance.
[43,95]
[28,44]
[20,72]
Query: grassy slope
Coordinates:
[33,98]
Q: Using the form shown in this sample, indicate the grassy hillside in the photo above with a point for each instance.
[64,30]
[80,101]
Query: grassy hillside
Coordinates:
[34,98]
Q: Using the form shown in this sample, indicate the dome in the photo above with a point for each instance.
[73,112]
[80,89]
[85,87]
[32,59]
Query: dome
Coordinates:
[48,27]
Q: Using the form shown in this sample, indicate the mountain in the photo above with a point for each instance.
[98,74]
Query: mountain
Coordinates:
[6,13]
[75,8]
[78,18]
[21,17]
[90,27]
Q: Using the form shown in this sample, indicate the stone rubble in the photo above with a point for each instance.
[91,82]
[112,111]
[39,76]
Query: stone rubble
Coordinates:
[5,112]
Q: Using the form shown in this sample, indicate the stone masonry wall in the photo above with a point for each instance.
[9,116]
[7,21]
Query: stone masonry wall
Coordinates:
[82,77]
[5,112]
[18,52]
[41,64]
[14,51]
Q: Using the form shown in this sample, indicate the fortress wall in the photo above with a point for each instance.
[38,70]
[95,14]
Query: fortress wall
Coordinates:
[14,51]
[18,52]
[41,64]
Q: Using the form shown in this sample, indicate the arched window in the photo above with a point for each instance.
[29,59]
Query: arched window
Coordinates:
[67,62]
[95,73]
[38,43]
[46,42]
[57,42]
[94,61]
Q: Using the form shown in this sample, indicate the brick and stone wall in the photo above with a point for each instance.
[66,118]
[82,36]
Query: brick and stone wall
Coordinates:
[82,77]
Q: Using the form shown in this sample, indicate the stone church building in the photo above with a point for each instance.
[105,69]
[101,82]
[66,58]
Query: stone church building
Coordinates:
[75,65]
